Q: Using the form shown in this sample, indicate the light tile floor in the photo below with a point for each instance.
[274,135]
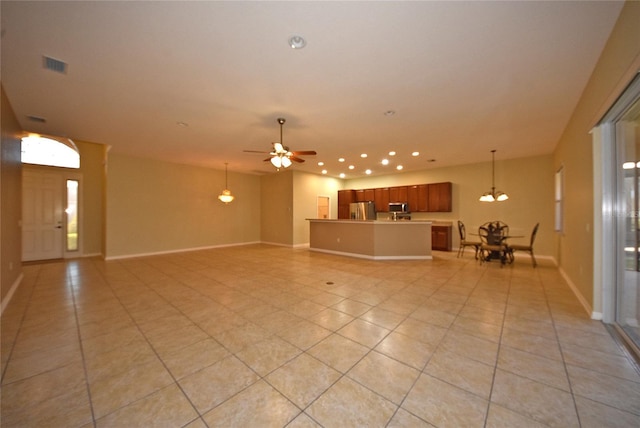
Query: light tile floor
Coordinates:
[265,336]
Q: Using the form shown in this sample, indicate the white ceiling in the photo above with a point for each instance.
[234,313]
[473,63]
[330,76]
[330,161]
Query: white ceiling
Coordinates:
[462,77]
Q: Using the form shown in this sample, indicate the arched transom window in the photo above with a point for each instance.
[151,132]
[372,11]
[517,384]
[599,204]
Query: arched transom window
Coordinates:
[50,151]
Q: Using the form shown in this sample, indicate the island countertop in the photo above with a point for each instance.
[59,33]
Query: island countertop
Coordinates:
[372,239]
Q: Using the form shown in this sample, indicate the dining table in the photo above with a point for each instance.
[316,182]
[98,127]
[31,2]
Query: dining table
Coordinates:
[496,234]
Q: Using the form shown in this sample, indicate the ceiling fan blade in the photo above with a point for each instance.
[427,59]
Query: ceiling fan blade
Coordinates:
[254,151]
[304,153]
[268,159]
[295,159]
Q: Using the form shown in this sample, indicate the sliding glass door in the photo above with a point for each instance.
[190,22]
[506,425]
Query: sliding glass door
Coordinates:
[627,131]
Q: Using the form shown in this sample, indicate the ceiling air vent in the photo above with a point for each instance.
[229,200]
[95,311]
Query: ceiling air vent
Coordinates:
[37,119]
[55,65]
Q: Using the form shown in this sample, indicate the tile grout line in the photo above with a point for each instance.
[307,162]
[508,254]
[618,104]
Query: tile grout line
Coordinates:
[495,367]
[82,353]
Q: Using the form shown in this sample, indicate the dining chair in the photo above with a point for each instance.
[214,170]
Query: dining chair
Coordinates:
[465,243]
[527,248]
[492,246]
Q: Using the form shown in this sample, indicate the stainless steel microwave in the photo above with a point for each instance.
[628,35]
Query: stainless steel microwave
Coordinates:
[398,207]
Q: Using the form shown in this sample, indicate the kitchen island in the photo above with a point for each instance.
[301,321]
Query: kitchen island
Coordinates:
[372,239]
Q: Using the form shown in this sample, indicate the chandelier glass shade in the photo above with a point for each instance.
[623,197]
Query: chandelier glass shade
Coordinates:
[493,195]
[226,195]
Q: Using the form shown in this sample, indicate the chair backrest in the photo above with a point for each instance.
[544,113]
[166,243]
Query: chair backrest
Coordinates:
[533,234]
[462,231]
[484,233]
[494,232]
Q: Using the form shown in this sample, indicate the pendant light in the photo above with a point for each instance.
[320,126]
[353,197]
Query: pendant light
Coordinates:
[493,196]
[226,195]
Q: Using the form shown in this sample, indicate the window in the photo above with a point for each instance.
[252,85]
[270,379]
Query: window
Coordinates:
[72,215]
[50,151]
[559,182]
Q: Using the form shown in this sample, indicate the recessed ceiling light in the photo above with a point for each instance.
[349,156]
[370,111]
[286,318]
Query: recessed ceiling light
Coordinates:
[385,162]
[415,154]
[341,160]
[389,113]
[363,155]
[182,124]
[324,171]
[431,160]
[320,163]
[399,167]
[342,175]
[368,172]
[392,153]
[297,42]
[351,167]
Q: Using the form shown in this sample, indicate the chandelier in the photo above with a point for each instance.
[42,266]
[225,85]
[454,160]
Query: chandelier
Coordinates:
[226,195]
[493,195]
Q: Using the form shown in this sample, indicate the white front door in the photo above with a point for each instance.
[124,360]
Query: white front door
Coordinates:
[42,216]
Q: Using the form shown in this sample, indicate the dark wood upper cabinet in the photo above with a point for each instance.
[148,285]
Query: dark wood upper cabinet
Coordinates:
[434,197]
[439,197]
[418,198]
[369,195]
[398,194]
[381,198]
[345,197]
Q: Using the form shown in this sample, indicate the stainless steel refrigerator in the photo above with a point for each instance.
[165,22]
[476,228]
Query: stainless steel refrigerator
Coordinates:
[362,210]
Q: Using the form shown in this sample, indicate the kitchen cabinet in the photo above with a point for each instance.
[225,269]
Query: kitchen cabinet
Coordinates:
[439,195]
[381,198]
[433,197]
[345,197]
[418,198]
[398,194]
[441,237]
[369,195]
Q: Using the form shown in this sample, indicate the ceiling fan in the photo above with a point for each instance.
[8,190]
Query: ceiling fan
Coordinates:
[281,156]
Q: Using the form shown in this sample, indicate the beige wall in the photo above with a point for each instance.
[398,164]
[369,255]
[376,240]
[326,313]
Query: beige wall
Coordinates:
[528,182]
[306,189]
[11,200]
[618,64]
[289,198]
[276,198]
[92,167]
[155,207]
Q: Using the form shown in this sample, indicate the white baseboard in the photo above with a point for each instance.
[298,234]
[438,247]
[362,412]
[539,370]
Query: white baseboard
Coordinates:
[587,307]
[368,257]
[181,250]
[9,295]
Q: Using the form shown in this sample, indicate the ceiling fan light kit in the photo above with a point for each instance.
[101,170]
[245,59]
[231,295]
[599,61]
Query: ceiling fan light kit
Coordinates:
[493,195]
[281,156]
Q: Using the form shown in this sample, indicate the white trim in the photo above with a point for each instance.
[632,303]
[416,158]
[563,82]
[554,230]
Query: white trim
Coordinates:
[9,295]
[587,307]
[182,250]
[367,257]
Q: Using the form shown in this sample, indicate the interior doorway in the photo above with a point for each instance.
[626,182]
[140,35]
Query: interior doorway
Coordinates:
[323,210]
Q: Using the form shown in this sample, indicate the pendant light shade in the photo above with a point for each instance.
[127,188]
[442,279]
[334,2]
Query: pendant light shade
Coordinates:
[493,195]
[226,195]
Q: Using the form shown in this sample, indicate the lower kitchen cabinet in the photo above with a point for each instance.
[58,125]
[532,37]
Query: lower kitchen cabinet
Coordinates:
[441,237]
